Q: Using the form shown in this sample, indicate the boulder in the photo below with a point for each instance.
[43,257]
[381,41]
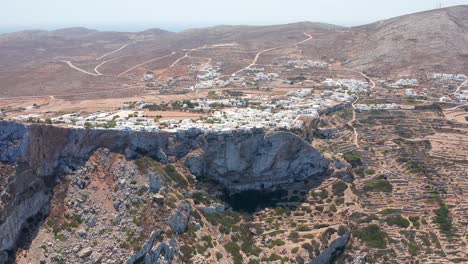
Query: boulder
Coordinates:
[180,219]
[85,252]
[154,183]
[158,198]
[334,250]
[213,209]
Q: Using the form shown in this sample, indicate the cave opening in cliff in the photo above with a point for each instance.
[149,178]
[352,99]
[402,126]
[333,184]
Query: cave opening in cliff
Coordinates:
[250,201]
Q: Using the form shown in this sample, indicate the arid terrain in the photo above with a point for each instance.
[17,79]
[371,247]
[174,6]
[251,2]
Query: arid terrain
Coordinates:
[297,143]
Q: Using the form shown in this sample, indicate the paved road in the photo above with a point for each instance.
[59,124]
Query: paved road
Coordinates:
[146,62]
[112,52]
[257,56]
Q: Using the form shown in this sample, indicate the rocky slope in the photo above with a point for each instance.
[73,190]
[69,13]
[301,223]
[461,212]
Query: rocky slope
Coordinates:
[39,155]
[426,42]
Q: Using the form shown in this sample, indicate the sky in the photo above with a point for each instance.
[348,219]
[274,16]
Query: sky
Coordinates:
[176,15]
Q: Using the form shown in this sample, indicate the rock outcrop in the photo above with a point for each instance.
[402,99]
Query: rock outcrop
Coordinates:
[334,250]
[163,252]
[180,219]
[237,160]
[241,161]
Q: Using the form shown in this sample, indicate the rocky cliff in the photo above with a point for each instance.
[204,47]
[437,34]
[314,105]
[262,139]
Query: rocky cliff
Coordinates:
[335,248]
[237,160]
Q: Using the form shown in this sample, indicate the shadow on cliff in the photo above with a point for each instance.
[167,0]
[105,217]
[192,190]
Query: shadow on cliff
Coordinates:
[28,233]
[252,200]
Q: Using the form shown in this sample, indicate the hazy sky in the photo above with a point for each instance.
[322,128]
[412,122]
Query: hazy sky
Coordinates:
[180,14]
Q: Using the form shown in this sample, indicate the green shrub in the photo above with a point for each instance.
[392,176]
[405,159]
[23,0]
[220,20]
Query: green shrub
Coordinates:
[359,172]
[389,211]
[276,243]
[398,220]
[187,251]
[303,228]
[443,218]
[372,236]
[353,158]
[339,188]
[208,241]
[415,167]
[175,176]
[143,164]
[378,185]
[234,249]
[293,236]
[273,257]
[342,230]
[415,221]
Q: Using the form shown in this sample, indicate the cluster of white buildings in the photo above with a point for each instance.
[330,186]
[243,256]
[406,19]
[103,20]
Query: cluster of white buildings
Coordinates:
[300,93]
[404,83]
[206,104]
[269,113]
[338,95]
[211,74]
[259,74]
[123,120]
[462,97]
[393,106]
[149,77]
[450,77]
[210,79]
[351,85]
[410,93]
[210,84]
[306,64]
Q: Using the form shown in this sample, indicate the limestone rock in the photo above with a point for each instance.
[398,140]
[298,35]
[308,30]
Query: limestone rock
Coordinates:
[213,209]
[85,252]
[334,249]
[253,161]
[180,219]
[154,183]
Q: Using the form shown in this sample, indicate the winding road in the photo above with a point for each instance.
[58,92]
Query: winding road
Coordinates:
[146,62]
[186,55]
[257,56]
[115,51]
[350,123]
[69,63]
[104,62]
[461,85]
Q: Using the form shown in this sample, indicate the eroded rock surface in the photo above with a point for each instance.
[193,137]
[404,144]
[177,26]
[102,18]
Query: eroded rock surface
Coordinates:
[237,161]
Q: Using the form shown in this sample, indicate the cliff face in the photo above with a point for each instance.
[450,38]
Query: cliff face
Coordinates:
[241,161]
[237,160]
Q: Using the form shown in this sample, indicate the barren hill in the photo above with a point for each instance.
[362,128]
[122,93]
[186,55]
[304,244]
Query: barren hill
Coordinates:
[436,40]
[88,62]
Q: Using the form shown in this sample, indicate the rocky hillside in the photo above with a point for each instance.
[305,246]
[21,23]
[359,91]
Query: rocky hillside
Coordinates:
[426,42]
[50,173]
[435,40]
